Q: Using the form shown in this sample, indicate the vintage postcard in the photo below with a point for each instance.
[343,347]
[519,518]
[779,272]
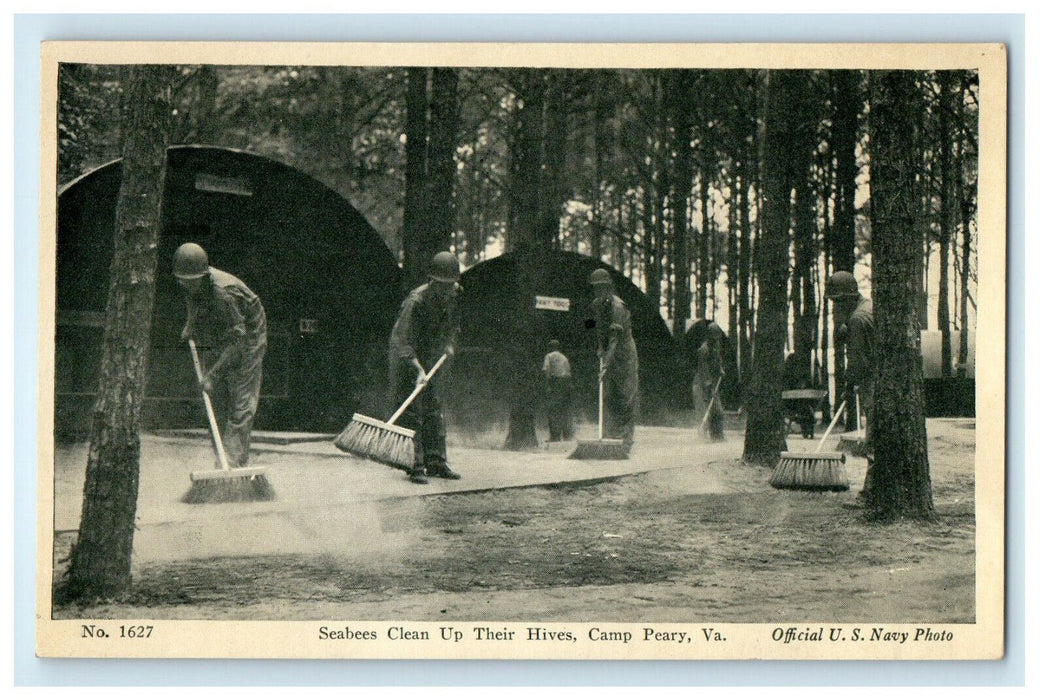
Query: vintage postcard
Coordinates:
[522,351]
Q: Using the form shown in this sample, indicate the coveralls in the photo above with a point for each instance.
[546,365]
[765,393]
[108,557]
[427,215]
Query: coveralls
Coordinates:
[427,326]
[227,317]
[709,373]
[556,368]
[613,320]
[860,363]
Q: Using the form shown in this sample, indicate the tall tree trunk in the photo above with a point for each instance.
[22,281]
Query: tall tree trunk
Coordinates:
[524,353]
[205,122]
[682,179]
[964,283]
[805,245]
[101,559]
[900,483]
[764,433]
[441,167]
[949,171]
[414,263]
[652,268]
[744,285]
[553,194]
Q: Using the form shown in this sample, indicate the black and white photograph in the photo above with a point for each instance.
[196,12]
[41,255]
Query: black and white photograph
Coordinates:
[522,351]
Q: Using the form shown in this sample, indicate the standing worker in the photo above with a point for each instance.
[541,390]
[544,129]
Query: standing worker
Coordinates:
[556,369]
[223,314]
[853,312]
[708,380]
[617,356]
[425,330]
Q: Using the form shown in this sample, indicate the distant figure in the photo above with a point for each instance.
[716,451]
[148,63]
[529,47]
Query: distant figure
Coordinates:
[617,356]
[708,382]
[223,314]
[853,313]
[426,329]
[556,369]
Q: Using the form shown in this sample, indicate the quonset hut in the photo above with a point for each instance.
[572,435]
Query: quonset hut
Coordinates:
[482,377]
[329,284]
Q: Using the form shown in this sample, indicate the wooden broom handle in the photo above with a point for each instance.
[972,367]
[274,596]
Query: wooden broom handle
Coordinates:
[831,426]
[602,376]
[418,389]
[711,398]
[219,448]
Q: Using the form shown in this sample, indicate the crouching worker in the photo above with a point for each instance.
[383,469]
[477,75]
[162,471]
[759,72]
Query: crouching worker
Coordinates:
[425,330]
[223,314]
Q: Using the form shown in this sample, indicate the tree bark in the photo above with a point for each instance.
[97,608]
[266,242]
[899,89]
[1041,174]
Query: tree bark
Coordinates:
[441,167]
[682,180]
[524,352]
[414,264]
[899,485]
[764,433]
[101,559]
[949,171]
[844,140]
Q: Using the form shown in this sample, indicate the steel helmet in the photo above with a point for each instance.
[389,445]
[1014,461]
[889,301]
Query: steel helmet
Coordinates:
[841,285]
[445,267]
[190,261]
[599,276]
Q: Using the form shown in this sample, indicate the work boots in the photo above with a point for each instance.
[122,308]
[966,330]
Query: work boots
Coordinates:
[442,472]
[417,476]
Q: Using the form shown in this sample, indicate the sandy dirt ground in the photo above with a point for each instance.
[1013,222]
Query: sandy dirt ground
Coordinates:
[682,532]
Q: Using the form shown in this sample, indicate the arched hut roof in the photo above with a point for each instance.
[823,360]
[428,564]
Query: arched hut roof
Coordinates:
[486,305]
[329,283]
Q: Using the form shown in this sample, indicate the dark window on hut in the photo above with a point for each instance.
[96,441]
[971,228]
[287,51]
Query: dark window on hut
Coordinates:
[206,182]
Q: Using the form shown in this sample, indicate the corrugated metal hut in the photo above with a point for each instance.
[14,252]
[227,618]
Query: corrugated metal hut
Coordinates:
[482,375]
[329,284]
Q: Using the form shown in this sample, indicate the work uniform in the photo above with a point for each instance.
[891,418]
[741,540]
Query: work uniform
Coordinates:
[556,368]
[227,315]
[427,326]
[860,362]
[708,375]
[621,387]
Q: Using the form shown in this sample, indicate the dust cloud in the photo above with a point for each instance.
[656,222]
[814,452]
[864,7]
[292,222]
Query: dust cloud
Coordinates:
[372,532]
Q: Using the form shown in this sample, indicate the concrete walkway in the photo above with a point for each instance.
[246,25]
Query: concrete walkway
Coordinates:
[316,476]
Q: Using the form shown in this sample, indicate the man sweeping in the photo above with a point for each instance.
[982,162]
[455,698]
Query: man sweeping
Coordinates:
[617,356]
[425,330]
[556,368]
[708,379]
[852,310]
[223,314]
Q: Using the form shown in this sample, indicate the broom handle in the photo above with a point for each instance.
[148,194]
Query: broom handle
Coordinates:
[418,389]
[602,375]
[831,426]
[219,448]
[857,400]
[708,410]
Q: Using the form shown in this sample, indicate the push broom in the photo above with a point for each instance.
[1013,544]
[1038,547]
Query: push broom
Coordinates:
[601,448]
[224,485]
[815,471]
[854,443]
[383,441]
[711,402]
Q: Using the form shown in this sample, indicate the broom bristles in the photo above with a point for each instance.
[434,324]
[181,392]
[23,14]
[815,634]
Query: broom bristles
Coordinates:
[229,487]
[820,471]
[600,449]
[379,441]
